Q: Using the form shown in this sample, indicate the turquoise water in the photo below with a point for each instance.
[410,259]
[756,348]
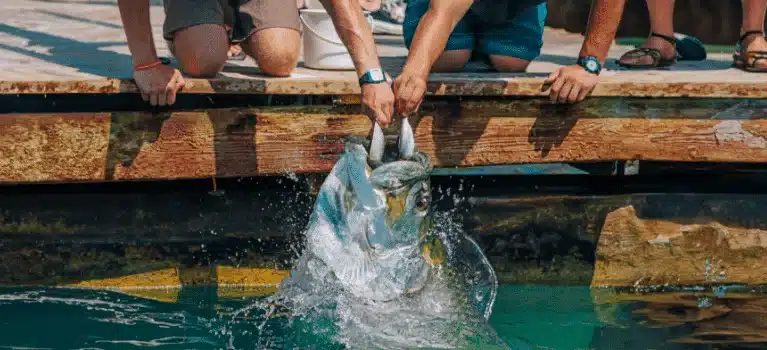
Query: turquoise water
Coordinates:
[526,317]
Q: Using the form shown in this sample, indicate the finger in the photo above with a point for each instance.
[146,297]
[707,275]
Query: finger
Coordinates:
[399,97]
[144,96]
[161,97]
[170,93]
[556,88]
[417,98]
[153,98]
[572,97]
[552,77]
[381,118]
[388,110]
[410,99]
[180,82]
[562,98]
[367,110]
[582,95]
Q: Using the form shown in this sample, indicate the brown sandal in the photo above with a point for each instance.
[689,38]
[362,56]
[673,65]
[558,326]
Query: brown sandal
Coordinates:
[741,61]
[658,61]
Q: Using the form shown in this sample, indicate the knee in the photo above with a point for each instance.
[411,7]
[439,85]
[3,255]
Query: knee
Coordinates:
[451,61]
[203,65]
[197,60]
[275,50]
[278,63]
[508,64]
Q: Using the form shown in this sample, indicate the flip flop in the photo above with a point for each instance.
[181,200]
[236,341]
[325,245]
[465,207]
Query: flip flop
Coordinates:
[658,61]
[741,62]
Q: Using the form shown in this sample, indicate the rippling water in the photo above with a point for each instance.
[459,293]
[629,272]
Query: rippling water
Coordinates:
[525,317]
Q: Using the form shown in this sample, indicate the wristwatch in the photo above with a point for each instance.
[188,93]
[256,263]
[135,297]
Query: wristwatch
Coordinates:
[591,64]
[373,76]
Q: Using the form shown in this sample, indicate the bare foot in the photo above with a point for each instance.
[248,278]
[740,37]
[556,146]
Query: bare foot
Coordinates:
[667,51]
[234,50]
[754,43]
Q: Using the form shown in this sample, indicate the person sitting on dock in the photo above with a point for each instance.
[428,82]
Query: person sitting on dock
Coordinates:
[269,31]
[443,35]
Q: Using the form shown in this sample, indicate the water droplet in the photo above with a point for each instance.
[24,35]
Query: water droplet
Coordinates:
[704,303]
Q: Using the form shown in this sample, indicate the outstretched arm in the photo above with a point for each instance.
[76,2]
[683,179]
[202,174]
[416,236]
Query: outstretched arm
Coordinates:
[356,34]
[432,34]
[604,19]
[428,44]
[573,83]
[138,30]
[157,83]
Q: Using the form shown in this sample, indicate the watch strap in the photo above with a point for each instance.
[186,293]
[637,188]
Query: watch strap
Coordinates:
[373,76]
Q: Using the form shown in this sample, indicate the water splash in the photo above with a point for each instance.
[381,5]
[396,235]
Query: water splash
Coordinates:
[450,311]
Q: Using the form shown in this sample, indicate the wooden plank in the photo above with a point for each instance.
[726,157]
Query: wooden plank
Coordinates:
[727,84]
[123,146]
[68,147]
[36,60]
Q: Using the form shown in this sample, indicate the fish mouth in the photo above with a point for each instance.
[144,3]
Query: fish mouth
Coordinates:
[397,176]
[383,186]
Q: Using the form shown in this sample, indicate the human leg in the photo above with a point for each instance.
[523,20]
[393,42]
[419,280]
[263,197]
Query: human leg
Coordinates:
[459,45]
[751,51]
[659,50]
[513,45]
[271,34]
[188,21]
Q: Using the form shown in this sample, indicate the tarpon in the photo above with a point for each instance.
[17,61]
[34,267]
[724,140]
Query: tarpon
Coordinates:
[371,220]
[372,252]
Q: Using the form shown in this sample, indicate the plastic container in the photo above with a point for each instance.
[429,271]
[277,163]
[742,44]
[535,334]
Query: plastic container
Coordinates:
[323,48]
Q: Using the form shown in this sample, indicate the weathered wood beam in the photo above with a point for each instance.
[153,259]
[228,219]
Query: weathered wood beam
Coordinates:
[123,146]
[699,250]
[733,84]
[636,240]
[622,241]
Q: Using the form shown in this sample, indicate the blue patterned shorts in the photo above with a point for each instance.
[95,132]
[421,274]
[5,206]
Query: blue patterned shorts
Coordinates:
[520,37]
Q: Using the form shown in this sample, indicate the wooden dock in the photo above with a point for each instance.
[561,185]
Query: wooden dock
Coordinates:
[71,113]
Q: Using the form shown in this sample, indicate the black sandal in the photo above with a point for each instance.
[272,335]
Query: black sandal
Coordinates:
[741,62]
[658,61]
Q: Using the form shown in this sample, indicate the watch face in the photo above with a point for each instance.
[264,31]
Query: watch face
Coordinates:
[376,75]
[592,66]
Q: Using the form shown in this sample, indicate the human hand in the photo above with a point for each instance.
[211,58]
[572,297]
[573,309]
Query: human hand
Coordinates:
[158,85]
[571,84]
[378,102]
[409,89]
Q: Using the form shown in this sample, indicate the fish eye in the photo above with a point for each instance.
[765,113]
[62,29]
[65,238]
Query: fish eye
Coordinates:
[421,204]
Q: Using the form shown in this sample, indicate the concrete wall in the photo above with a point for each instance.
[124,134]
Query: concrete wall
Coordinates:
[712,21]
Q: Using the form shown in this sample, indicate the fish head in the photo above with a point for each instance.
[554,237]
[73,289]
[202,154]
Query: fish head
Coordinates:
[402,183]
[405,189]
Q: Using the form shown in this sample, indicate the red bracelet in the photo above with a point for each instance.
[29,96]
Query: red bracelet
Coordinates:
[153,64]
